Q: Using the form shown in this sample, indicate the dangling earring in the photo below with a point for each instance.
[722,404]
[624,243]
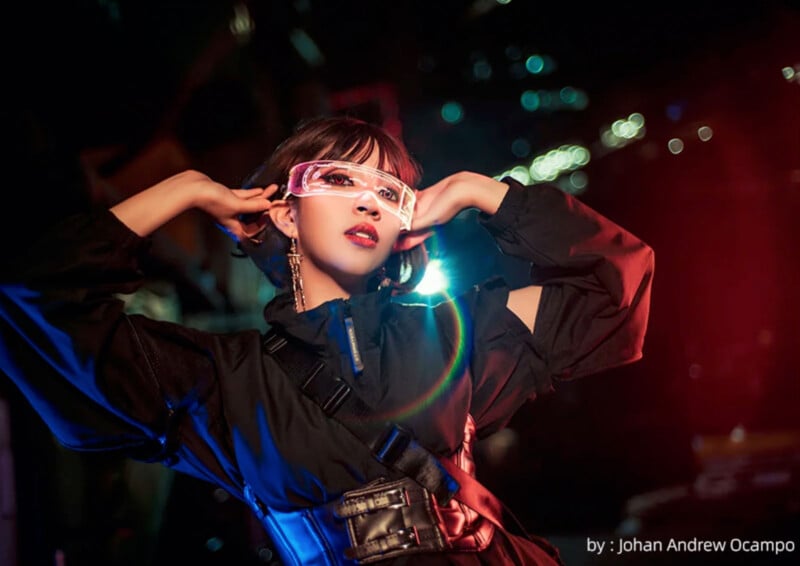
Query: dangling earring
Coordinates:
[297,280]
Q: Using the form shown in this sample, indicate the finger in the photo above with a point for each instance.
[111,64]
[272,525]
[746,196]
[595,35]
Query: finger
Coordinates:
[254,216]
[248,193]
[256,191]
[253,210]
[253,206]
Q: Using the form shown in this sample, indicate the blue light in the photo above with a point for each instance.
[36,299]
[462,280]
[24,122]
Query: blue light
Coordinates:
[214,544]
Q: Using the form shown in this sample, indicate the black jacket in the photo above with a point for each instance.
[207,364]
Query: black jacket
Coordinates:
[214,406]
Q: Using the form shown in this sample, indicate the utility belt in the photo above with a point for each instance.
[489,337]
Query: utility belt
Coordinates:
[382,520]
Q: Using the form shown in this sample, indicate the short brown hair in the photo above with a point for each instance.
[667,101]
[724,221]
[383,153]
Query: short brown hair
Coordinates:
[338,138]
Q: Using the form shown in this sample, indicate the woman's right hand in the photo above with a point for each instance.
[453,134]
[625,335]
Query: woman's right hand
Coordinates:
[239,213]
[153,207]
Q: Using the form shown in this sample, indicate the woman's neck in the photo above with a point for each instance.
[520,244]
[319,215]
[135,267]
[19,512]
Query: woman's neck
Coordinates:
[320,287]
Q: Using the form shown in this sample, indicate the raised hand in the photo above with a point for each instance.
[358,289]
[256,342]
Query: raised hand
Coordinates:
[239,213]
[440,202]
[151,208]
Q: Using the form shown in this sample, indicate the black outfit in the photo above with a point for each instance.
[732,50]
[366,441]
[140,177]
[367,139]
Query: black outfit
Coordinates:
[214,406]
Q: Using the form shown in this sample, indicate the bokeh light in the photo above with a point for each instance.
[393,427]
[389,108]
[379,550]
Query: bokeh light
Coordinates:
[452,112]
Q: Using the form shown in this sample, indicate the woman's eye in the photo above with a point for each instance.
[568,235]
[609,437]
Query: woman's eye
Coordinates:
[388,194]
[338,179]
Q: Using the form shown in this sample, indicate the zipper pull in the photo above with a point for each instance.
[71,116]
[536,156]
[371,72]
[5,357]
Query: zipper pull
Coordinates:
[355,355]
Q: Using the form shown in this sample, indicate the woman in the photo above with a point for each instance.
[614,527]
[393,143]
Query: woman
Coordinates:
[349,429]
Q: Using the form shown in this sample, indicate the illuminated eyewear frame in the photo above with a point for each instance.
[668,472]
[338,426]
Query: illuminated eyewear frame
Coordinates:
[346,179]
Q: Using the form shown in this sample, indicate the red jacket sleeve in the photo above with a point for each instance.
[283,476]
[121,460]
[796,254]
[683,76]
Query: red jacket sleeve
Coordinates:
[596,275]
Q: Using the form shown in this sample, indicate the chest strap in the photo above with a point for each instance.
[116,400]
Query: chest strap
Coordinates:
[389,443]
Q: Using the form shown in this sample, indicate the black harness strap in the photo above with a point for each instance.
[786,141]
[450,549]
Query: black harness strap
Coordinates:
[390,444]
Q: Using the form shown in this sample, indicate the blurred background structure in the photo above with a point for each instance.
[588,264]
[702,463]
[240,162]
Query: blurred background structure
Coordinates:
[679,121]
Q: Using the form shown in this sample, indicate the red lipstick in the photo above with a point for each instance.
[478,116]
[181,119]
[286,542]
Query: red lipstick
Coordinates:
[364,235]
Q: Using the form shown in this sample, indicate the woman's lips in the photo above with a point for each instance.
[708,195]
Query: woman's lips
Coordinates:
[364,235]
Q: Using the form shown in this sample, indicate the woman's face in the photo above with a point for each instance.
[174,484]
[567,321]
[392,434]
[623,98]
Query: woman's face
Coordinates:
[345,238]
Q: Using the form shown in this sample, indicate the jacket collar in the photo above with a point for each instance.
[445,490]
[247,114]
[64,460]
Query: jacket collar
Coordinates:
[323,326]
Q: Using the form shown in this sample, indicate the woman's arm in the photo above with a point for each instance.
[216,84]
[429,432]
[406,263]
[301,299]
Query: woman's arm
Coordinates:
[589,301]
[589,294]
[92,372]
[150,209]
[67,344]
[440,202]
[596,278]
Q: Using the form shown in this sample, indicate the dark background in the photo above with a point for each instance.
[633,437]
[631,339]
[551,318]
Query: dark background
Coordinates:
[699,439]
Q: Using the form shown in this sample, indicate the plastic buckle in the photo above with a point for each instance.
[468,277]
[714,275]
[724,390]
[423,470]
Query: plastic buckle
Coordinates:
[394,442]
[340,394]
[274,342]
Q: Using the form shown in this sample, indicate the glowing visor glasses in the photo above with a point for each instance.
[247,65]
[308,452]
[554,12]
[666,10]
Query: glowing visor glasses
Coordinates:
[346,179]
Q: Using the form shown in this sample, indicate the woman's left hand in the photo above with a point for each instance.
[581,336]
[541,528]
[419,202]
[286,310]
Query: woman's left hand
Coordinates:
[440,202]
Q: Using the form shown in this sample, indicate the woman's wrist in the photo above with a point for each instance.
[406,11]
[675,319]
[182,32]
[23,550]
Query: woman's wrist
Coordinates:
[203,194]
[151,208]
[483,193]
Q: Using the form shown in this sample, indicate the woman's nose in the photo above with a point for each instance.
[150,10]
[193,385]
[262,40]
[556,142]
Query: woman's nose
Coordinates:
[366,203]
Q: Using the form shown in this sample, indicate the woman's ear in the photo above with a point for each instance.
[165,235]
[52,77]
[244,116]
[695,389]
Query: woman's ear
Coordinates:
[282,214]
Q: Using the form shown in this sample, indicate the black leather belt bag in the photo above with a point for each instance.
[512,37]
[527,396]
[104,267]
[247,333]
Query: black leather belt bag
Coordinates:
[386,519]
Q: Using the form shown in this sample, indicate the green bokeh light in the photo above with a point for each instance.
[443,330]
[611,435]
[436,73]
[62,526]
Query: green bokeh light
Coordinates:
[452,112]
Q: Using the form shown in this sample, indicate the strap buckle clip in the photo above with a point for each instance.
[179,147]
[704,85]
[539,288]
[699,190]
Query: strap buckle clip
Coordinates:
[410,537]
[392,444]
[402,498]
